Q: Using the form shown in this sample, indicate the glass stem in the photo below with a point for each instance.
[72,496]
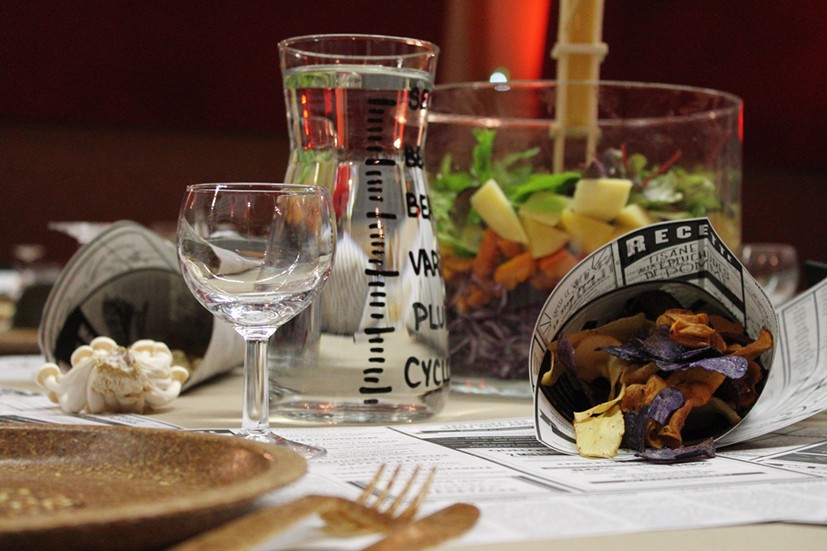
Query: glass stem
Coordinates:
[256,411]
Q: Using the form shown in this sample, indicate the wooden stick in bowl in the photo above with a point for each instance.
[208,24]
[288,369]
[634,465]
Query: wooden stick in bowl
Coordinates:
[579,51]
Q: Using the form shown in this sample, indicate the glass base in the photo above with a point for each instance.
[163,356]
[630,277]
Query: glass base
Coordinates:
[269,437]
[491,387]
[338,410]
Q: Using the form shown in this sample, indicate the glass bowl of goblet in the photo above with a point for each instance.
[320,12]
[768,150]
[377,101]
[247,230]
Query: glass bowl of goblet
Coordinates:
[255,255]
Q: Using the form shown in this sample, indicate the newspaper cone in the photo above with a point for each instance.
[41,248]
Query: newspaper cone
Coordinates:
[685,258]
[126,285]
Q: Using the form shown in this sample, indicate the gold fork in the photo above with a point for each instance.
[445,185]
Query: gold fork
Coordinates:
[342,516]
[373,515]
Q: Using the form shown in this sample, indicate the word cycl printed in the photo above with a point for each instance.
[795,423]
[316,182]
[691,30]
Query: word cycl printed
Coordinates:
[431,372]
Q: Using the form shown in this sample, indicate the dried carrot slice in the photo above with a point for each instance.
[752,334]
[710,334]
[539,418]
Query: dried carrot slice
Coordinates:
[509,249]
[488,255]
[512,272]
[557,264]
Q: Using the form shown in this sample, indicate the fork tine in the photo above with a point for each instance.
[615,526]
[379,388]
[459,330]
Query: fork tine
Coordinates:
[420,497]
[404,493]
[368,514]
[387,490]
[366,493]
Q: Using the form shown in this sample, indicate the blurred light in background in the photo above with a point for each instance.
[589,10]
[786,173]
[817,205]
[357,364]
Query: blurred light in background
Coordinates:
[499,75]
[483,36]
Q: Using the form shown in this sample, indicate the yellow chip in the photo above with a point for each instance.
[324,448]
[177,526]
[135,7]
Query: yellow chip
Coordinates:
[599,430]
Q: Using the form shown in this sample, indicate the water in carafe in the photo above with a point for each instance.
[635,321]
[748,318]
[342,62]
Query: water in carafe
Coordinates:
[374,347]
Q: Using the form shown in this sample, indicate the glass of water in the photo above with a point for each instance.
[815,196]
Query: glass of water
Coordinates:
[255,255]
[775,267]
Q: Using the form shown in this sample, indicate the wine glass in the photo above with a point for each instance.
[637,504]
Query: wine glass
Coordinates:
[775,267]
[255,255]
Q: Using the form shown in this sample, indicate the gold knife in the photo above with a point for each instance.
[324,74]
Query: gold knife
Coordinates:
[445,524]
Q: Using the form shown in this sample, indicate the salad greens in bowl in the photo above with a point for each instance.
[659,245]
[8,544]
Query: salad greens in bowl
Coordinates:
[518,200]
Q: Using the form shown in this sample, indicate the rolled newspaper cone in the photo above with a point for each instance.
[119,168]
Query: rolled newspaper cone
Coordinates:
[684,260]
[125,284]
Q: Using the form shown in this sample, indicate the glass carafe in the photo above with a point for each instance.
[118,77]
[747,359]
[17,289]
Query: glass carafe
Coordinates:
[374,347]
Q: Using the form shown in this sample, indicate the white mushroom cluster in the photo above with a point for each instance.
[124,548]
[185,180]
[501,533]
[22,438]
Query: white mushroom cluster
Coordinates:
[108,377]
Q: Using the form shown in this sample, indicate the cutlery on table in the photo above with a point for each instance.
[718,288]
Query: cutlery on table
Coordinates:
[341,516]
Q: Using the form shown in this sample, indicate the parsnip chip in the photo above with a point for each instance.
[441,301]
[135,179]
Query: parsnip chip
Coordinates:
[599,430]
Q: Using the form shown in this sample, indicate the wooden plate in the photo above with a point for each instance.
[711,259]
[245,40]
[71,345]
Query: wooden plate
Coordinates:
[76,487]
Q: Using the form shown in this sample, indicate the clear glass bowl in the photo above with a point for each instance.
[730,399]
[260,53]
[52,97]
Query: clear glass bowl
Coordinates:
[660,152]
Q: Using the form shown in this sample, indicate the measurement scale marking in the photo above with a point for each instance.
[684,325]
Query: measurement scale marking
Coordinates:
[378,110]
[386,273]
[379,390]
[382,215]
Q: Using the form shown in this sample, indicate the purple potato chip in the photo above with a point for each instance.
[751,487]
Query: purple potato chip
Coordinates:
[630,351]
[661,347]
[698,353]
[565,352]
[733,367]
[741,389]
[702,450]
[665,403]
[634,429]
